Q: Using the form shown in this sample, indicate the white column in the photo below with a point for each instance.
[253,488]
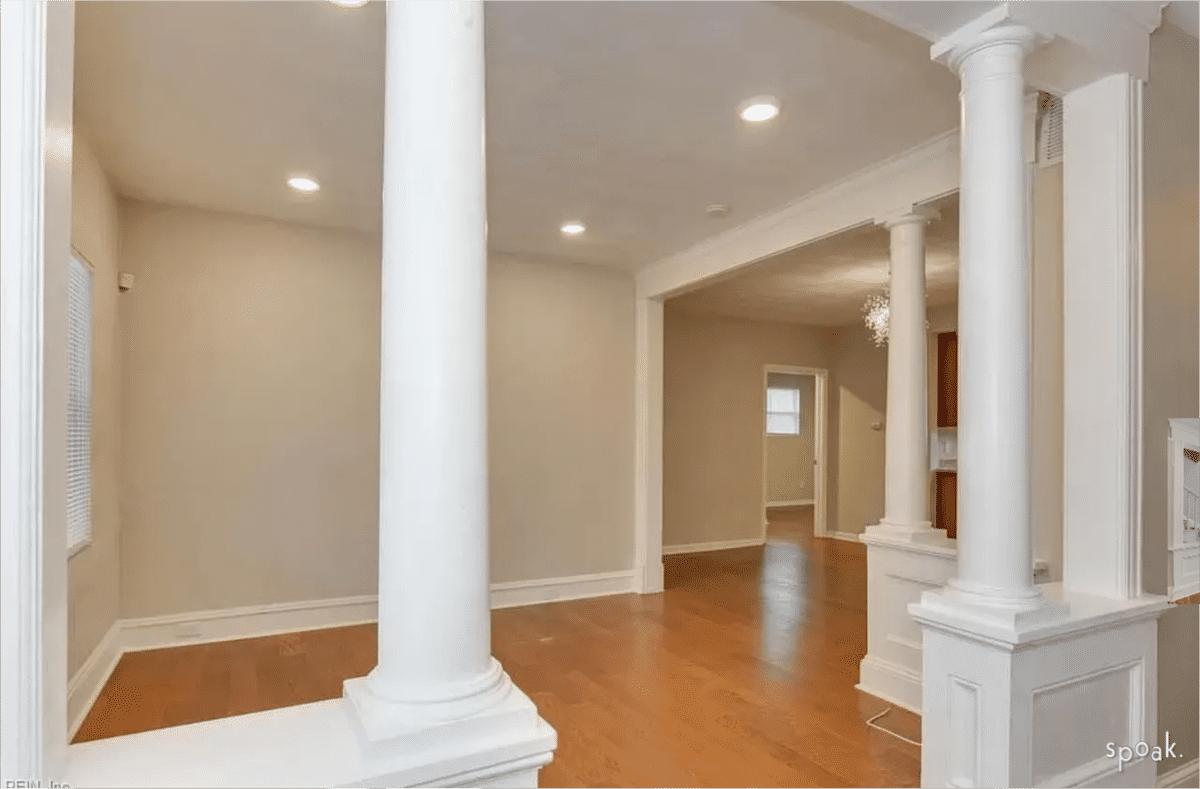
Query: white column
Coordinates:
[995,540]
[434,608]
[906,476]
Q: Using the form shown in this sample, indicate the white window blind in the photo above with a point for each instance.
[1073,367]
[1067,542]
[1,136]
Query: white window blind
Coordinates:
[79,407]
[783,407]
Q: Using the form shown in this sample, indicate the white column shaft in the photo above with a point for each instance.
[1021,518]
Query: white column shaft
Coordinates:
[995,554]
[906,476]
[434,608]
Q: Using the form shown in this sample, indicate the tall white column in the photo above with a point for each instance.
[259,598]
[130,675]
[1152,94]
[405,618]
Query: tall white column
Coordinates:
[906,469]
[995,540]
[1005,662]
[434,610]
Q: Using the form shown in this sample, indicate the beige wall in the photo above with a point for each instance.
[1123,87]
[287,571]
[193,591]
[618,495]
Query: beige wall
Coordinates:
[858,383]
[94,572]
[561,345]
[250,410]
[713,419]
[789,471]
[251,414]
[1171,348]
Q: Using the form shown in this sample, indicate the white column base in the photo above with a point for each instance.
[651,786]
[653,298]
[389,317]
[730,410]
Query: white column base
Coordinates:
[899,569]
[918,532]
[388,731]
[1003,697]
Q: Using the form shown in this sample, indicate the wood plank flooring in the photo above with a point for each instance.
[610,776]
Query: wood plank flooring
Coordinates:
[741,673]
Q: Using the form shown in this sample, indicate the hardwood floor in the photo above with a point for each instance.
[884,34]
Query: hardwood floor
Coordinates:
[1192,600]
[741,673]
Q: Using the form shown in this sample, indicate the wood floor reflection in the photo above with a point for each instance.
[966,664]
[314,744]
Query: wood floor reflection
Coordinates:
[741,673]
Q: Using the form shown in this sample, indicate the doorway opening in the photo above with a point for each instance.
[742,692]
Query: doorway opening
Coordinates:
[794,441]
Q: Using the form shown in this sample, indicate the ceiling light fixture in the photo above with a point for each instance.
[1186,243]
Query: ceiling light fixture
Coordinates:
[759,109]
[302,184]
[717,210]
[877,313]
[573,228]
[349,3]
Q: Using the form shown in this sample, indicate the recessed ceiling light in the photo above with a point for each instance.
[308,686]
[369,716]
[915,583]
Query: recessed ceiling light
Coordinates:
[573,228]
[349,3]
[301,184]
[717,210]
[759,109]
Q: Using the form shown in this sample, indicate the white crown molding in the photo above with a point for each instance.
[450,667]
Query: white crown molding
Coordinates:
[1147,15]
[1184,15]
[1080,43]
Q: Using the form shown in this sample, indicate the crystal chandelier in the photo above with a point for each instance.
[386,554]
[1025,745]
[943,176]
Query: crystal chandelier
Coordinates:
[875,315]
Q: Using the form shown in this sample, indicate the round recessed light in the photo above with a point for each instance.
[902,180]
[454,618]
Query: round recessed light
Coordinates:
[717,210]
[573,228]
[349,3]
[302,184]
[759,109]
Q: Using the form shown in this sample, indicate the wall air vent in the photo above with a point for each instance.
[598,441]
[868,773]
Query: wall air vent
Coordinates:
[1049,130]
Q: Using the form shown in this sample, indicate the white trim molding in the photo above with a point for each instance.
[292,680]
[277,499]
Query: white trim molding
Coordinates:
[705,547]
[36,65]
[1184,775]
[553,590]
[1102,337]
[796,503]
[257,621]
[87,682]
[231,624]
[648,446]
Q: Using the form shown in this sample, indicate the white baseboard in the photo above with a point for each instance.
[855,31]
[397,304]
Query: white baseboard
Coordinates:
[229,624]
[573,587]
[849,536]
[703,547]
[894,684]
[1187,775]
[796,503]
[86,684]
[1186,590]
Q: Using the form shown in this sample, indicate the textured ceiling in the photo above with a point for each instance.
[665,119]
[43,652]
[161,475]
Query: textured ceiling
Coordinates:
[621,114]
[825,283]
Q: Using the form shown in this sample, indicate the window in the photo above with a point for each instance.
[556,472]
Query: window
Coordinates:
[783,405]
[79,407]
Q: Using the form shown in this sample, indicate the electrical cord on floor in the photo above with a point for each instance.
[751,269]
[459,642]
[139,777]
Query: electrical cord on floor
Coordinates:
[871,722]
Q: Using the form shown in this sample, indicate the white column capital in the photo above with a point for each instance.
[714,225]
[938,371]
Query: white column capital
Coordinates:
[911,216]
[994,29]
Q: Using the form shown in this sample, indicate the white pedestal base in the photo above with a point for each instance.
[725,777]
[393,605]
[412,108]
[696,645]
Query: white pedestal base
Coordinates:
[389,734]
[1005,704]
[900,567]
